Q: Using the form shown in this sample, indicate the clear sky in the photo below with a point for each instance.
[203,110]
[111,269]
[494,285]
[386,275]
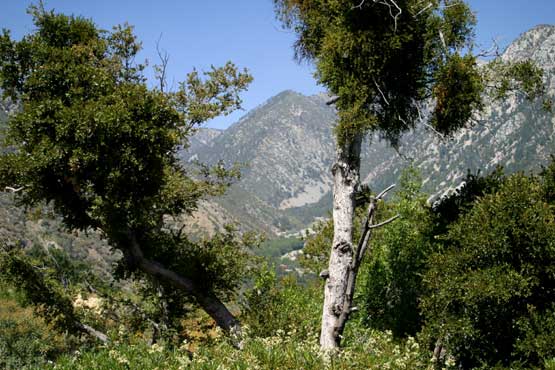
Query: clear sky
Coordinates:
[200,33]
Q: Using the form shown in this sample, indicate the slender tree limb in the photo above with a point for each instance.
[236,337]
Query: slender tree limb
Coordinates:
[423,10]
[385,191]
[14,190]
[359,6]
[384,222]
[332,100]
[386,3]
[442,38]
[381,92]
[161,70]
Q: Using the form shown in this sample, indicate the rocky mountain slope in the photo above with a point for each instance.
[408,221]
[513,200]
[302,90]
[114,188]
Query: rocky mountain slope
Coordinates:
[286,148]
[287,144]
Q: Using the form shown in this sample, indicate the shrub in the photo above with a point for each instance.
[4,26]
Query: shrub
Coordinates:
[274,305]
[26,341]
[397,261]
[493,286]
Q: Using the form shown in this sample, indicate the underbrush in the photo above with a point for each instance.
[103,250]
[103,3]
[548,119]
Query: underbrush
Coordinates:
[26,341]
[369,349]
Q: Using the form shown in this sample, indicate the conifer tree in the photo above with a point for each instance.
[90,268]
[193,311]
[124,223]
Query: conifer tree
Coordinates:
[387,62]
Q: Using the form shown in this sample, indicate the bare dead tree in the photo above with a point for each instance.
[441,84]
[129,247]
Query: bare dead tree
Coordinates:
[161,69]
[347,306]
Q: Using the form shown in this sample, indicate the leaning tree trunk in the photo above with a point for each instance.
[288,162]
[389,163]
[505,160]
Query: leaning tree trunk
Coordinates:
[346,177]
[207,300]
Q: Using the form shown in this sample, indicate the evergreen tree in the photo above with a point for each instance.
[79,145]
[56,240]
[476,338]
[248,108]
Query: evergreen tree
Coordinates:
[490,286]
[383,62]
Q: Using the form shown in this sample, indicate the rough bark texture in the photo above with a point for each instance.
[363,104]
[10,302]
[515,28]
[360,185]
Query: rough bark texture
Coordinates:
[346,177]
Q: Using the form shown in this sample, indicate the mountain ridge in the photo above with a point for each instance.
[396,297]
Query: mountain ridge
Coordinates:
[287,184]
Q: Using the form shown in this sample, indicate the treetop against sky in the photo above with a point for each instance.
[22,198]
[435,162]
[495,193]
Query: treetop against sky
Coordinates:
[199,34]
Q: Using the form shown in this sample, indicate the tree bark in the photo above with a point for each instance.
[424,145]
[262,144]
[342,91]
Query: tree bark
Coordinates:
[206,299]
[346,177]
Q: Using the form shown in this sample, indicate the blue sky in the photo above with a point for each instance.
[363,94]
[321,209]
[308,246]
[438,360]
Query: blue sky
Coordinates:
[198,33]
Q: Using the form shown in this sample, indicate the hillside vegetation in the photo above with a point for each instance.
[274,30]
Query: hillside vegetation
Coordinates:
[126,243]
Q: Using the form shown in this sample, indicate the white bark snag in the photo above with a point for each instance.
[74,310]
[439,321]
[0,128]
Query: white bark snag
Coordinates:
[346,178]
[345,258]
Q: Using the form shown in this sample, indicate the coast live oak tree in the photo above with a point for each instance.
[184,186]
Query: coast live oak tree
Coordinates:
[386,62]
[94,140]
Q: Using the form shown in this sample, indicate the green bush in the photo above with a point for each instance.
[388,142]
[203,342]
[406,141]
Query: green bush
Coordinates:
[492,289]
[393,276]
[274,305]
[26,341]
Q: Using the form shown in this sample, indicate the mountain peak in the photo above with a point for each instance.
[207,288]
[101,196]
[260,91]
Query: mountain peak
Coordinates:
[286,93]
[537,44]
[543,27]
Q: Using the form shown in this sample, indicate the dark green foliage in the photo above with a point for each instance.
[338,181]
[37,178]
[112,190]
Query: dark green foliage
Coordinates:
[381,59]
[548,176]
[495,279]
[537,334]
[457,93]
[524,78]
[100,146]
[26,341]
[384,59]
[393,282]
[41,289]
[448,209]
[316,251]
[221,263]
[278,247]
[283,305]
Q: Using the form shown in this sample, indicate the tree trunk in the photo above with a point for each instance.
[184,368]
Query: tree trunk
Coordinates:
[346,177]
[206,299]
[91,331]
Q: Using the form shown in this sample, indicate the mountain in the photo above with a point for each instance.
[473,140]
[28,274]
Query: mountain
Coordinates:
[202,140]
[287,149]
[287,144]
[514,133]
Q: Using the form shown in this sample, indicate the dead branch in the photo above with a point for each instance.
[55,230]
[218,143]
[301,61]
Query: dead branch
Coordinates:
[332,100]
[442,38]
[381,92]
[161,69]
[359,6]
[392,5]
[493,51]
[385,191]
[375,226]
[14,190]
[92,332]
[423,10]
